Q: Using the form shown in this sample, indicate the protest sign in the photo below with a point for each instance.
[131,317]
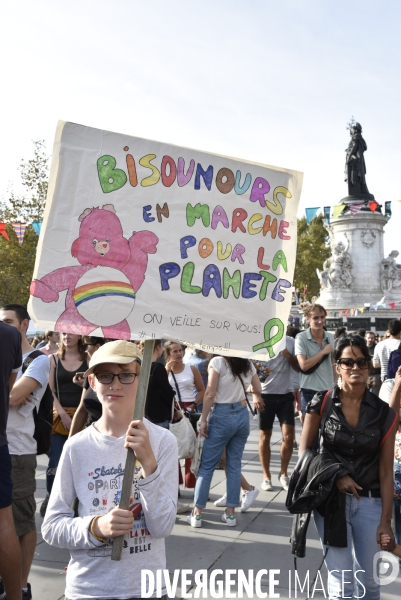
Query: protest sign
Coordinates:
[143,239]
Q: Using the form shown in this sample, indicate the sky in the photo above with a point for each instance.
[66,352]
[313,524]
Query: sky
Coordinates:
[274,82]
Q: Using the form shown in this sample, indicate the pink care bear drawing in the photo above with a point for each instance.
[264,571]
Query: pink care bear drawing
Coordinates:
[101,290]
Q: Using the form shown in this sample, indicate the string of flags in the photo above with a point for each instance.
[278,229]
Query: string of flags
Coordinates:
[19,229]
[367,307]
[338,209]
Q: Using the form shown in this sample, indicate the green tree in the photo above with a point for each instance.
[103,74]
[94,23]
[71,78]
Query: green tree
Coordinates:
[17,261]
[312,251]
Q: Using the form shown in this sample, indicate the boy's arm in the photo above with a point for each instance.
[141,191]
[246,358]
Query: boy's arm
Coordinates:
[159,490]
[59,527]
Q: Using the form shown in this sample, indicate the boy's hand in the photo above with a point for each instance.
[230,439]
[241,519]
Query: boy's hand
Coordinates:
[138,440]
[116,522]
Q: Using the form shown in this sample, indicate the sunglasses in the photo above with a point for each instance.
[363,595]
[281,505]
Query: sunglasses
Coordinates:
[349,363]
[107,378]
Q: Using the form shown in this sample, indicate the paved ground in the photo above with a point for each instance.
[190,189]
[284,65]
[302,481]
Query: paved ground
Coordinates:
[259,541]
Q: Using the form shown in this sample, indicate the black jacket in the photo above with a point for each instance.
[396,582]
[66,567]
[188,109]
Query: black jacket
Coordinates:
[312,486]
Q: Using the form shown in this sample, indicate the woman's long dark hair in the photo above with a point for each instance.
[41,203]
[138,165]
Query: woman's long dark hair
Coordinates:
[351,340]
[238,366]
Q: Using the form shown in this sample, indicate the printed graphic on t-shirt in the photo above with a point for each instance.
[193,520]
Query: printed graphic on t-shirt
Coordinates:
[105,485]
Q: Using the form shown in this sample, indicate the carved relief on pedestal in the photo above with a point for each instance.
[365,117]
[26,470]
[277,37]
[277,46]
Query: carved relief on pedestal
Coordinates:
[337,269]
[368,237]
[390,272]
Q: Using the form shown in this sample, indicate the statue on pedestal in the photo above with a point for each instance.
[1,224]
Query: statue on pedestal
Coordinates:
[390,274]
[337,269]
[355,168]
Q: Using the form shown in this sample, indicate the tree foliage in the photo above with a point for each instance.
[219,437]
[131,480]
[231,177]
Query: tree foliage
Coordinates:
[312,251]
[17,261]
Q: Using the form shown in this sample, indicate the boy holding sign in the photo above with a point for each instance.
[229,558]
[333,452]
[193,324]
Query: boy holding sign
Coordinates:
[91,468]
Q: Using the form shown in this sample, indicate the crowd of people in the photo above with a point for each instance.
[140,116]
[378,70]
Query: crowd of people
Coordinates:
[331,382]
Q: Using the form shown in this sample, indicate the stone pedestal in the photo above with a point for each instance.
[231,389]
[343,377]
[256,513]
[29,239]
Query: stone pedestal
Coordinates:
[363,234]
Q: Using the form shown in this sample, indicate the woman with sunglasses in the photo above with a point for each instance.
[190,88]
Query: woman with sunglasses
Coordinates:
[359,432]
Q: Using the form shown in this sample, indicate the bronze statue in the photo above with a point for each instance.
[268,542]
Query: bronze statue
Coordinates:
[355,168]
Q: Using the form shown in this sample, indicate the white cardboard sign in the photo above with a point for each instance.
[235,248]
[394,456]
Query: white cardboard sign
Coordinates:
[143,239]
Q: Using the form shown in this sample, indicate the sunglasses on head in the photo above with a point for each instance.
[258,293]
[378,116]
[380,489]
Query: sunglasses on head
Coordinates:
[349,363]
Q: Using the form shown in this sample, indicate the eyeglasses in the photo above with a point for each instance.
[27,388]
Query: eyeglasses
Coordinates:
[108,378]
[348,363]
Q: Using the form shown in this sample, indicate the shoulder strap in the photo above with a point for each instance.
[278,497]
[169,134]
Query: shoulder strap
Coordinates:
[325,408]
[246,397]
[56,376]
[30,358]
[177,388]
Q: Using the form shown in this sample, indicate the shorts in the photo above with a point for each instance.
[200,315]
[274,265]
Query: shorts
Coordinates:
[6,483]
[24,486]
[281,405]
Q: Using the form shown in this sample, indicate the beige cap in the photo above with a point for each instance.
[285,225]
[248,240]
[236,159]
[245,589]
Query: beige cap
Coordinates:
[120,352]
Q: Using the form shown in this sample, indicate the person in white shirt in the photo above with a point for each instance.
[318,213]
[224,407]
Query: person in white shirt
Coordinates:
[228,428]
[91,469]
[28,389]
[384,349]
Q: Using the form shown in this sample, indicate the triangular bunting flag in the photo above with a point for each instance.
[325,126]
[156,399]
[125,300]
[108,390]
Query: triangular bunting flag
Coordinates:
[346,313]
[337,210]
[3,231]
[356,312]
[326,212]
[375,307]
[19,229]
[392,305]
[373,205]
[37,226]
[361,309]
[310,213]
[355,208]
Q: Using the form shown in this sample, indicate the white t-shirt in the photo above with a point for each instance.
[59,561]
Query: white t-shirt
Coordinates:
[20,429]
[229,387]
[185,382]
[91,468]
[382,354]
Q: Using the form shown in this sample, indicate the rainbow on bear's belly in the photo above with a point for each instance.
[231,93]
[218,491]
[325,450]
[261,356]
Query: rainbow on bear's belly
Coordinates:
[104,296]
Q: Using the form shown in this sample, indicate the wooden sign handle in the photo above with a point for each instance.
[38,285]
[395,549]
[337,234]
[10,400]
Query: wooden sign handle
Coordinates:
[139,410]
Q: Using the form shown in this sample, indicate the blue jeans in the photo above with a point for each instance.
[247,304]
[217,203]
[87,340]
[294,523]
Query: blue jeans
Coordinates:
[306,397]
[363,518]
[228,428]
[56,448]
[397,521]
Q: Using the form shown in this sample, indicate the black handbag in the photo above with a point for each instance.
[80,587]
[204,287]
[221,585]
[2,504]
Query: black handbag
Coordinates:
[192,416]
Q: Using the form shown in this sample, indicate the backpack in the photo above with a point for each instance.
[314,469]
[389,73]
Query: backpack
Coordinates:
[43,417]
[394,362]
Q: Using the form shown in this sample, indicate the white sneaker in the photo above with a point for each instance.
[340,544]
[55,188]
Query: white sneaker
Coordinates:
[267,485]
[221,501]
[229,520]
[182,508]
[248,498]
[285,482]
[194,520]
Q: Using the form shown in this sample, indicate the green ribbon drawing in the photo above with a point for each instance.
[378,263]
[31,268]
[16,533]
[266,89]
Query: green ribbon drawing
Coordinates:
[270,341]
